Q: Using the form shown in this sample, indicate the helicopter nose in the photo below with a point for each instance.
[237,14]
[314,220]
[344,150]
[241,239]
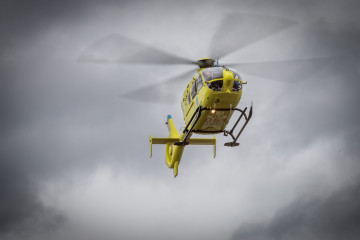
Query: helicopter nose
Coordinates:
[228,81]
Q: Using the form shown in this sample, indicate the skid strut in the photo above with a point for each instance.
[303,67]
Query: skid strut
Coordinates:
[234,143]
[234,136]
[195,117]
[193,122]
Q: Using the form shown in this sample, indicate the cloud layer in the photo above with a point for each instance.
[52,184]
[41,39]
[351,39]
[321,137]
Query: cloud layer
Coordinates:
[74,154]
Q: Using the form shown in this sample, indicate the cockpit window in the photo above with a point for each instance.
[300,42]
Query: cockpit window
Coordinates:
[236,75]
[200,83]
[215,85]
[236,86]
[193,90]
[212,73]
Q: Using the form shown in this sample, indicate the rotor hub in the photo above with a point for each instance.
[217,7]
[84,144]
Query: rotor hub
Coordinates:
[205,62]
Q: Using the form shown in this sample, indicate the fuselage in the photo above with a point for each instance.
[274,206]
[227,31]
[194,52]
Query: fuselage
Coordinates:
[213,88]
[208,103]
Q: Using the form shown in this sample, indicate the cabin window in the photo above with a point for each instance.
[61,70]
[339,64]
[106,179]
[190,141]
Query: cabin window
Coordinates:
[215,85]
[236,76]
[193,90]
[200,83]
[212,73]
[236,86]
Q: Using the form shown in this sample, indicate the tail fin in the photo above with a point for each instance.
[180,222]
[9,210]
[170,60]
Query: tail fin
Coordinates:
[173,153]
[173,133]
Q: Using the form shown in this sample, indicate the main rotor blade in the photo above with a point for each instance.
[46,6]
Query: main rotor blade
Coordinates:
[115,48]
[164,92]
[285,71]
[237,31]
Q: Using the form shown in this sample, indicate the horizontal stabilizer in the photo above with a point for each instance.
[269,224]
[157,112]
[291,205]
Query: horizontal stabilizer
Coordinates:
[163,140]
[191,141]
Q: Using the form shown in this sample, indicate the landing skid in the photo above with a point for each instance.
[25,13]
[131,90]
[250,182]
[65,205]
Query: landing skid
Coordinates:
[195,117]
[234,143]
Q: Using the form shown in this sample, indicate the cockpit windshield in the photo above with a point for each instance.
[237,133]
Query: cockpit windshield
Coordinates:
[236,75]
[212,73]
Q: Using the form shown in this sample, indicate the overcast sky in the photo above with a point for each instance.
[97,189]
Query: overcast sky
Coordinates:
[74,154]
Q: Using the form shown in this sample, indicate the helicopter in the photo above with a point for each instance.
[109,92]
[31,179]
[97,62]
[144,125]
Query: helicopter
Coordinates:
[208,103]
[213,94]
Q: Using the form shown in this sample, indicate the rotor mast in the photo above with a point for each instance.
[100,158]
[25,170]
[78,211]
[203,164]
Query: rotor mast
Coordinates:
[205,62]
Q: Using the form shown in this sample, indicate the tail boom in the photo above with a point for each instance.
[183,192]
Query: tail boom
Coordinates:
[173,152]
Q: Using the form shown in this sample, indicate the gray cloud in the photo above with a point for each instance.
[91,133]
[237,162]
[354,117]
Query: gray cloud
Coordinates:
[328,110]
[333,217]
[51,111]
[22,157]
[61,119]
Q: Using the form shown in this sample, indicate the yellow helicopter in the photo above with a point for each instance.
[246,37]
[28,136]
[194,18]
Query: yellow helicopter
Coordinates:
[213,94]
[208,103]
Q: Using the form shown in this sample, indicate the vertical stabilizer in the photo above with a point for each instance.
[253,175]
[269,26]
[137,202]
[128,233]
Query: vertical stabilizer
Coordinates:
[173,153]
[173,133]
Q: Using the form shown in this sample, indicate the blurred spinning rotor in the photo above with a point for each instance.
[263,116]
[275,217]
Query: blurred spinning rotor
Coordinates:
[234,32]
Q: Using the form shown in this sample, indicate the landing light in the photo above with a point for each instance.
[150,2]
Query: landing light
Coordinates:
[213,111]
